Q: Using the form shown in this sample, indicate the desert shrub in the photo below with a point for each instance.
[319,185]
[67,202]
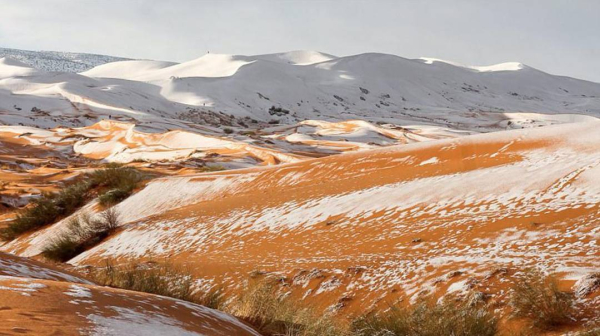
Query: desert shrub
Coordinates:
[62,248]
[46,210]
[158,278]
[450,317]
[118,181]
[109,221]
[155,278]
[82,232]
[538,298]
[114,196]
[114,175]
[262,306]
[228,130]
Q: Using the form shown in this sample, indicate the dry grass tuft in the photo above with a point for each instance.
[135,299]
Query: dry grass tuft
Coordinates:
[538,298]
[162,279]
[157,278]
[272,313]
[448,318]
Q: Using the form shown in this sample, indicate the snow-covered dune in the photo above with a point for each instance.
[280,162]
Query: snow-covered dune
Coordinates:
[127,69]
[387,223]
[291,87]
[57,60]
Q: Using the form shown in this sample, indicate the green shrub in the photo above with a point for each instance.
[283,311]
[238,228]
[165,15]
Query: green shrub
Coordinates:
[62,248]
[46,210]
[82,233]
[114,196]
[448,318]
[119,181]
[538,298]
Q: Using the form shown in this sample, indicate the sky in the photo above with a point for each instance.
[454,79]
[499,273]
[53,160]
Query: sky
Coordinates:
[560,37]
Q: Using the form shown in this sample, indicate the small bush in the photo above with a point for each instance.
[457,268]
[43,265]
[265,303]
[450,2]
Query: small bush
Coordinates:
[114,196]
[119,181]
[538,298]
[62,248]
[46,210]
[109,221]
[449,318]
[278,111]
[82,233]
[228,130]
[273,314]
[157,278]
[160,279]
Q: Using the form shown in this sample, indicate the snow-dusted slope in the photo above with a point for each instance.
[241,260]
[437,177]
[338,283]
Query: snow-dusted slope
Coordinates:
[291,87]
[38,299]
[13,68]
[57,60]
[454,215]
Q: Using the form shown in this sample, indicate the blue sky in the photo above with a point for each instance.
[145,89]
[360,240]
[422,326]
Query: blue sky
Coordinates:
[560,37]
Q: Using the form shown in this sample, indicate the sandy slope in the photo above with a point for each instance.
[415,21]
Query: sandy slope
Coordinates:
[37,299]
[34,160]
[457,215]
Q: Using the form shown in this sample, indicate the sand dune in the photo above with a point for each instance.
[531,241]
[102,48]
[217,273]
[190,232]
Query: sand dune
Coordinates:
[389,223]
[41,300]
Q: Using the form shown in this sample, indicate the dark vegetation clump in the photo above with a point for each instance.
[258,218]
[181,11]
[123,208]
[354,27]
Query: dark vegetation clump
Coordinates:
[81,233]
[46,210]
[115,183]
[539,299]
[278,111]
[118,183]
